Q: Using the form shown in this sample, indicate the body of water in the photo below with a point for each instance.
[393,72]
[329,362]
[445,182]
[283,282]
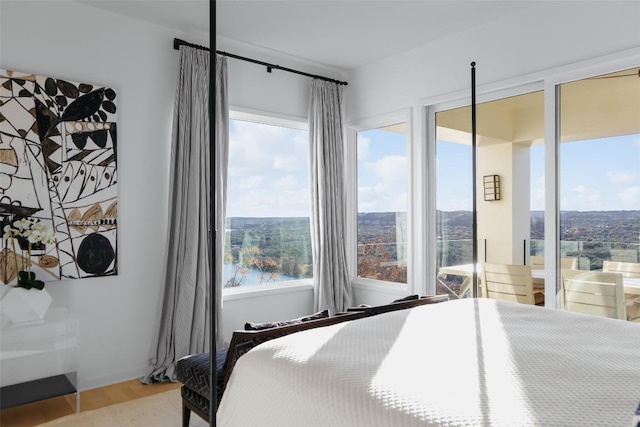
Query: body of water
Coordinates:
[252,278]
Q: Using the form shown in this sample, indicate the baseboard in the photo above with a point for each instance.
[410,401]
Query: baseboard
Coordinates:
[89,383]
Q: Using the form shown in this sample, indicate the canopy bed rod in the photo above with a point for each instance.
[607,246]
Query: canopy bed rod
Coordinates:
[177,43]
[474,222]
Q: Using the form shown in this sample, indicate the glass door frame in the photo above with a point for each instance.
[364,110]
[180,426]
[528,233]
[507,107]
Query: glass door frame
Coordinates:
[578,71]
[549,81]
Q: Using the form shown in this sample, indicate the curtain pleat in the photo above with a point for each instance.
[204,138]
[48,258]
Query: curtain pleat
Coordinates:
[184,327]
[330,274]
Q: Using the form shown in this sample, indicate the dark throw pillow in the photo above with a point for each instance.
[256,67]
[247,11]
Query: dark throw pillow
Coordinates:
[407,298]
[251,326]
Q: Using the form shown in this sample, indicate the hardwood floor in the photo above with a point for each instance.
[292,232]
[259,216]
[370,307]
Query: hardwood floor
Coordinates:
[39,412]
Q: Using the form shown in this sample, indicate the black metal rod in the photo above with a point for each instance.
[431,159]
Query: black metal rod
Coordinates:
[474,222]
[177,43]
[213,221]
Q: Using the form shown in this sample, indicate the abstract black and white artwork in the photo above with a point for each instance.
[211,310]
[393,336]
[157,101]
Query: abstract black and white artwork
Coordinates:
[58,166]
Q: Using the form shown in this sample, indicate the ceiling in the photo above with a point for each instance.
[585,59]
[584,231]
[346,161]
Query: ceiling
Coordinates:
[183,15]
[342,34]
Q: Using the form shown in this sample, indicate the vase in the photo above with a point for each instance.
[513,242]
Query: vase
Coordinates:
[25,305]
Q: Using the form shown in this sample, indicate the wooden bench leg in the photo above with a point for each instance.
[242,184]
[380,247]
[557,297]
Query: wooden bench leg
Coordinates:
[187,408]
[186,414]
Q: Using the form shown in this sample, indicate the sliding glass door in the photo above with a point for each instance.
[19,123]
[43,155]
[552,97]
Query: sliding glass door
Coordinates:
[596,173]
[600,169]
[454,198]
[509,139]
[599,173]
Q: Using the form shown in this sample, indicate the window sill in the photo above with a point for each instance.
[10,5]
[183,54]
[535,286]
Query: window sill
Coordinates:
[257,291]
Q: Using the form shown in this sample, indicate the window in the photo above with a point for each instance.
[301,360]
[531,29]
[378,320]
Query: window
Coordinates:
[537,203]
[599,168]
[382,171]
[268,238]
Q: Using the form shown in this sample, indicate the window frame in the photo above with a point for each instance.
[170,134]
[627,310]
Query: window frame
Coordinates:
[351,192]
[281,120]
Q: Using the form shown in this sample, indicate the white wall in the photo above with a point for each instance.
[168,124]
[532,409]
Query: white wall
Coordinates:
[550,35]
[280,93]
[118,315]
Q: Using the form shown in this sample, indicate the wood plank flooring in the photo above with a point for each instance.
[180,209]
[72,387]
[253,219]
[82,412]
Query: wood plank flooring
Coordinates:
[39,412]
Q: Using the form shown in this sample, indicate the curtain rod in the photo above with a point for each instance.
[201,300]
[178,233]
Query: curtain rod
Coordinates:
[177,43]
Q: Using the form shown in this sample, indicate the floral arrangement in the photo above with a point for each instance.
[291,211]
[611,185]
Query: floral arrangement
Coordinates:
[35,233]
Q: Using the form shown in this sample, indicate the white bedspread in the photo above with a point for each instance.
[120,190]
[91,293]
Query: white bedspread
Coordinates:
[460,363]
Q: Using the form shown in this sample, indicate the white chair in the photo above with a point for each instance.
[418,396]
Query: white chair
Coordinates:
[510,283]
[627,269]
[537,262]
[570,263]
[624,255]
[593,292]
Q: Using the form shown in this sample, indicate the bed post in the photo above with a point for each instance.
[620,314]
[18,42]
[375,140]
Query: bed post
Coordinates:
[474,223]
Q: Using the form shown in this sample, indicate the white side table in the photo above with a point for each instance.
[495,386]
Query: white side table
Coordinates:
[38,360]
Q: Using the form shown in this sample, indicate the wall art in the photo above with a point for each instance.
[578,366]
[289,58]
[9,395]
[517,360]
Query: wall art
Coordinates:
[58,168]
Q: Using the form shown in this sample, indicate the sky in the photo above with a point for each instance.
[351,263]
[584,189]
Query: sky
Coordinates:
[268,173]
[382,171]
[599,175]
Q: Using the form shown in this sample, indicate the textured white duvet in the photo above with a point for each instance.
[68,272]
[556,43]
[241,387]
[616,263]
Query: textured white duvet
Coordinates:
[460,363]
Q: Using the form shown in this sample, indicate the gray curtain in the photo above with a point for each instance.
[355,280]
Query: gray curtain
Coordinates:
[220,170]
[330,275]
[184,327]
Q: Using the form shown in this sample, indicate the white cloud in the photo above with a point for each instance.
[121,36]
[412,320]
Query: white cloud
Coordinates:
[582,198]
[381,198]
[254,147]
[363,148]
[383,185]
[286,163]
[537,194]
[630,197]
[268,171]
[455,204]
[286,183]
[247,183]
[390,169]
[621,177]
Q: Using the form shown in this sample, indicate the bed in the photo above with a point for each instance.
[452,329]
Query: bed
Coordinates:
[457,363]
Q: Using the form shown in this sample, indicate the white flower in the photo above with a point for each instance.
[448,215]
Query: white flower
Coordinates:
[31,229]
[9,232]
